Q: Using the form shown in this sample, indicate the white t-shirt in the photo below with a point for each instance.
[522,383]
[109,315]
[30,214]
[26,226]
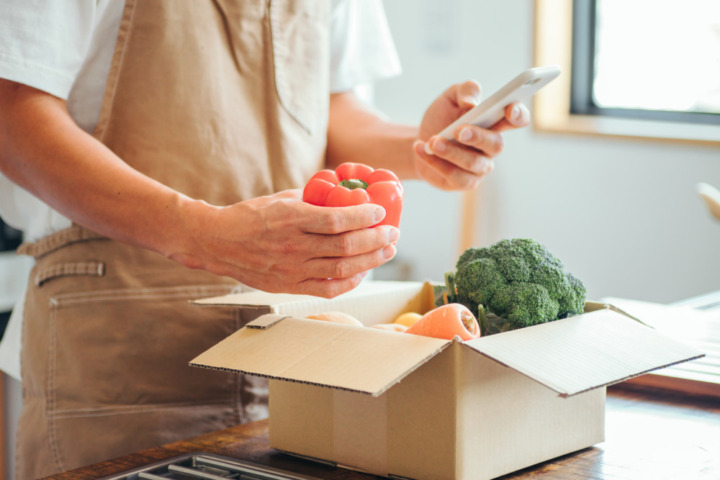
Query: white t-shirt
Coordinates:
[65,48]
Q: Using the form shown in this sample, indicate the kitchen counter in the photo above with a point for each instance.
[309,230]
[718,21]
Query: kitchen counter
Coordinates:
[649,434]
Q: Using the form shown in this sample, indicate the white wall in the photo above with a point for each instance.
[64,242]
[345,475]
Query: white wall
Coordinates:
[623,215]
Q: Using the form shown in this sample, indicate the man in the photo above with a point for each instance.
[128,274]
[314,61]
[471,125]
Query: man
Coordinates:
[164,144]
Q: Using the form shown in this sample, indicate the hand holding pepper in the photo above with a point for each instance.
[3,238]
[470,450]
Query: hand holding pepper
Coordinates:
[278,243]
[356,184]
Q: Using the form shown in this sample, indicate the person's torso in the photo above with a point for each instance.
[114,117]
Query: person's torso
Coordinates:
[221,101]
[354,60]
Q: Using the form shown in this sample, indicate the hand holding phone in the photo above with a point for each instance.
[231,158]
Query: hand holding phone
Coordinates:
[492,110]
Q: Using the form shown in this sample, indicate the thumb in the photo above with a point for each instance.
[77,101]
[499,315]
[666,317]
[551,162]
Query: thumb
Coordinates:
[468,94]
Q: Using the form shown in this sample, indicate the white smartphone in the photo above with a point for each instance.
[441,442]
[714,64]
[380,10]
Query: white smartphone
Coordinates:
[492,109]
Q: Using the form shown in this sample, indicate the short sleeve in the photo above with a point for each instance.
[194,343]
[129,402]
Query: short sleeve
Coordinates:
[362,49]
[43,43]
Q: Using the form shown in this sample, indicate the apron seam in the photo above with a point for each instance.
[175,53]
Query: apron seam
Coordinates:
[58,240]
[228,34]
[238,380]
[138,294]
[50,404]
[108,102]
[88,268]
[128,410]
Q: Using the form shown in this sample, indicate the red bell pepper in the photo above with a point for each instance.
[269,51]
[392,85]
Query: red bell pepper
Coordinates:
[355,184]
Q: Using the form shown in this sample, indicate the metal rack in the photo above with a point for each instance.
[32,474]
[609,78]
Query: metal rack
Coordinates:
[206,466]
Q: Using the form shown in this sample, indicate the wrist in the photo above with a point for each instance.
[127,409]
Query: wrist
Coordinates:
[191,220]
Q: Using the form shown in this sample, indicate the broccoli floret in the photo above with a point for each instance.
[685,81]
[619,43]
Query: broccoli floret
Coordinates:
[524,304]
[572,300]
[478,280]
[517,280]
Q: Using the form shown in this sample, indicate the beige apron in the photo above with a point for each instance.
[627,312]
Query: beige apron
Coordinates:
[223,101]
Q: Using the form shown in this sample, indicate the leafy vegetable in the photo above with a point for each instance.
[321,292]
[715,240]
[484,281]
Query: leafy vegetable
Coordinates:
[512,284]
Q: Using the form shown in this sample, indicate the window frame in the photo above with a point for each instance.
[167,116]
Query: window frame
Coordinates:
[552,114]
[553,106]
[583,74]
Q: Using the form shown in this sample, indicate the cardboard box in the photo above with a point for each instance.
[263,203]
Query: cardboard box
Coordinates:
[406,406]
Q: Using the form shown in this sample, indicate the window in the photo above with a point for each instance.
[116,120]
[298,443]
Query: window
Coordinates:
[643,68]
[620,58]
[657,59]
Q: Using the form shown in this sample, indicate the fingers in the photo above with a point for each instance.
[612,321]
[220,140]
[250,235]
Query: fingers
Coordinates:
[282,244]
[348,266]
[468,137]
[463,95]
[445,173]
[345,260]
[488,142]
[458,157]
[306,247]
[468,94]
[329,287]
[339,219]
[356,242]
[308,232]
[472,151]
[463,162]
[340,255]
[517,115]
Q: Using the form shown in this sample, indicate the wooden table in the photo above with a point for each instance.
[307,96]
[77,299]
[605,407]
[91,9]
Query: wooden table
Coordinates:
[649,435]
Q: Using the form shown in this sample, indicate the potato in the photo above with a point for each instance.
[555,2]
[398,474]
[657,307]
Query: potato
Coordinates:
[393,327]
[337,317]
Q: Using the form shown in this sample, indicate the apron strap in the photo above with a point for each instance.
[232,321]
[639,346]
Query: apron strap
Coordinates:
[58,240]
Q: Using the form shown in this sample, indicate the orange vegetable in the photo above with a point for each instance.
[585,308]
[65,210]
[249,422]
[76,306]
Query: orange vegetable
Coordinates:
[408,318]
[447,321]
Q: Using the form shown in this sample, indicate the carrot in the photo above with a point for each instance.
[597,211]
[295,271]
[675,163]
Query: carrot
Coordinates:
[447,321]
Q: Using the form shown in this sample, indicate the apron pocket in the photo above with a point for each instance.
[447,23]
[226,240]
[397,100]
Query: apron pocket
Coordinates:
[129,349]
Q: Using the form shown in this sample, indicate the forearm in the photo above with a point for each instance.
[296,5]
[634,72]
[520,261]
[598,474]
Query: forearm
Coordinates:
[356,133]
[43,151]
[276,243]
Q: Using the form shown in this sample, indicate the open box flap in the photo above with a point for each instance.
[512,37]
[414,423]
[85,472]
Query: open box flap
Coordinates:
[580,353]
[386,300]
[340,356]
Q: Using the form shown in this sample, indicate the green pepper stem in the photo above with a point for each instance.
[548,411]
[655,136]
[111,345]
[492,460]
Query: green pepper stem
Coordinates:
[353,183]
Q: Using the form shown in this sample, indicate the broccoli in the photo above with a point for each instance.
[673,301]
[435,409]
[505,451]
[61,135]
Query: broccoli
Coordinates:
[513,284]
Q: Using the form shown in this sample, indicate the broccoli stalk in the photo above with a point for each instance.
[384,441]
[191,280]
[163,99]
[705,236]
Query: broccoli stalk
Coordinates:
[483,319]
[513,284]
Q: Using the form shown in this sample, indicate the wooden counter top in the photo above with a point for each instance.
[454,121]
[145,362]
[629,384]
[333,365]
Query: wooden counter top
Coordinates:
[649,434]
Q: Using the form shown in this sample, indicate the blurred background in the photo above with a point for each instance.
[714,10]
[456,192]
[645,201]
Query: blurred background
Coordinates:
[623,214]
[619,208]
